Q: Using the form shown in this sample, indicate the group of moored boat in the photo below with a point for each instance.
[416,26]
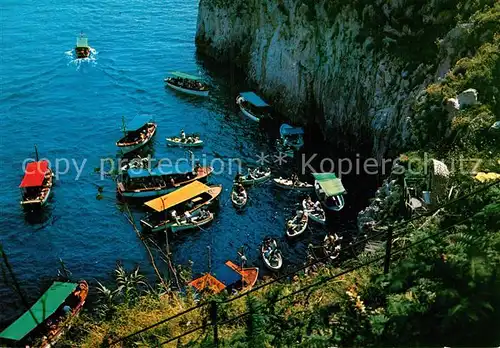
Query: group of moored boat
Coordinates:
[178,199]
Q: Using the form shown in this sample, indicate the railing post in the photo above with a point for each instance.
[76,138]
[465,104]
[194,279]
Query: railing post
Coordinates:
[388,247]
[213,319]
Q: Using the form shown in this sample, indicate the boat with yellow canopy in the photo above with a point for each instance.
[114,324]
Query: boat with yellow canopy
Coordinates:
[164,211]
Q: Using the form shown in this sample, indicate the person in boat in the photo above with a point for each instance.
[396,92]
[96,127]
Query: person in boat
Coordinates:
[189,205]
[240,190]
[317,206]
[174,216]
[196,168]
[294,179]
[183,136]
[250,174]
[309,202]
[172,182]
[188,216]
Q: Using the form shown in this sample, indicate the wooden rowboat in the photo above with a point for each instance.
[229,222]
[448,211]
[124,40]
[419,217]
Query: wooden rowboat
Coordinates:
[138,133]
[288,184]
[295,228]
[189,141]
[51,316]
[195,222]
[316,215]
[271,254]
[256,176]
[239,199]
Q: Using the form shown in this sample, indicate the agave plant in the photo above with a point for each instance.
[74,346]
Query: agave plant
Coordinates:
[129,285]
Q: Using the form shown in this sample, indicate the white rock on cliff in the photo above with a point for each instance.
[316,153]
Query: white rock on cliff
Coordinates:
[467,97]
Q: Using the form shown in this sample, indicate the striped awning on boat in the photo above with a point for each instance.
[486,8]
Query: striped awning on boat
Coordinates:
[185,76]
[330,184]
[254,99]
[34,174]
[39,312]
[178,168]
[179,196]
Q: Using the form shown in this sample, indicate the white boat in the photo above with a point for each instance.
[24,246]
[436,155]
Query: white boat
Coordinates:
[296,227]
[252,106]
[189,141]
[195,222]
[290,185]
[317,215]
[139,132]
[188,84]
[331,246]
[239,199]
[329,190]
[255,176]
[271,254]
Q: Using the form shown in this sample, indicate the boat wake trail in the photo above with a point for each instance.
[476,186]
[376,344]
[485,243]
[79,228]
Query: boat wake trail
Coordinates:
[77,62]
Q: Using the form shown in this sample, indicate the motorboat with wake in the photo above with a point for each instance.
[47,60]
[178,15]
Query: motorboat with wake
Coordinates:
[82,48]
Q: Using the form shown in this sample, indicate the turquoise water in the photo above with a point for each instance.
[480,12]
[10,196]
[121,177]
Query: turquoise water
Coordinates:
[74,110]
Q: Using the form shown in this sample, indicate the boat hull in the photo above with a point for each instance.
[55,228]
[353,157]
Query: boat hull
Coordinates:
[187,91]
[306,188]
[183,227]
[147,194]
[332,207]
[248,114]
[171,142]
[248,182]
[130,148]
[313,217]
[292,234]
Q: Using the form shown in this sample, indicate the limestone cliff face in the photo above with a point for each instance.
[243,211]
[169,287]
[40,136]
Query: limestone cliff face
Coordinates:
[353,69]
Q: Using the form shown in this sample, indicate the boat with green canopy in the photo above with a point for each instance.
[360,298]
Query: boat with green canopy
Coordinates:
[46,321]
[186,83]
[330,190]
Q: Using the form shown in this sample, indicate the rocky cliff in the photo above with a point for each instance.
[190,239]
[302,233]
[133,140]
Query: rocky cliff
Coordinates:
[354,68]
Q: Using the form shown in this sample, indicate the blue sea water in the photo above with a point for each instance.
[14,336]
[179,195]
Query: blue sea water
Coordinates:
[74,110]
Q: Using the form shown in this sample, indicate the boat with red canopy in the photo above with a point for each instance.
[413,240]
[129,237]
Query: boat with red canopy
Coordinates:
[36,184]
